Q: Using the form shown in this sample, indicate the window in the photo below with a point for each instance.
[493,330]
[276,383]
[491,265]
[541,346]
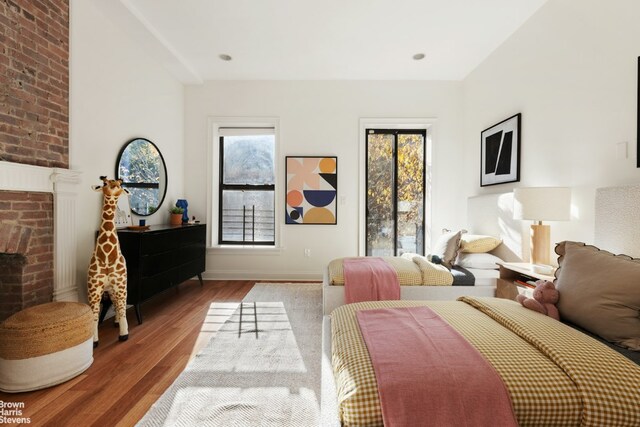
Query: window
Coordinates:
[395,191]
[246,208]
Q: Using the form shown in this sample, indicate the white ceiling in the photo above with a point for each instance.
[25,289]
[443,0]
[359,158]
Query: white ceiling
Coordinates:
[325,40]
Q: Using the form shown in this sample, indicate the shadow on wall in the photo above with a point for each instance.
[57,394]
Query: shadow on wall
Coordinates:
[510,230]
[492,214]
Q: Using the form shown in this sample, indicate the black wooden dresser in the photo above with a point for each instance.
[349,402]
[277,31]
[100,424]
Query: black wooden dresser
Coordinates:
[160,258]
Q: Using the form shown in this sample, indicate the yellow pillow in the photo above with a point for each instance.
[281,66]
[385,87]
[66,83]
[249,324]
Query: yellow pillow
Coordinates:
[477,243]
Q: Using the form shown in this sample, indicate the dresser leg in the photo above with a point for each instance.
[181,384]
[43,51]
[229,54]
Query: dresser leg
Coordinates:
[200,277]
[138,314]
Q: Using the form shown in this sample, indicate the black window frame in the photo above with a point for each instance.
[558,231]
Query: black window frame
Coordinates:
[395,132]
[151,185]
[241,187]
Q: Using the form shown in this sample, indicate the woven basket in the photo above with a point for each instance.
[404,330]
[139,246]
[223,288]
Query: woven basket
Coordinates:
[45,329]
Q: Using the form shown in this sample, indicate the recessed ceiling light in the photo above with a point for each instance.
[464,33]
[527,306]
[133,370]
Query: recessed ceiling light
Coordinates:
[418,56]
[225,57]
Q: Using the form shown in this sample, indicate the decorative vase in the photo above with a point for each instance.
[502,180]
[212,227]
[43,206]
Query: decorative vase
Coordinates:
[175,219]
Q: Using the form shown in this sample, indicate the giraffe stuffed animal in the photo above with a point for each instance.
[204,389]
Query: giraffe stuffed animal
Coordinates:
[107,269]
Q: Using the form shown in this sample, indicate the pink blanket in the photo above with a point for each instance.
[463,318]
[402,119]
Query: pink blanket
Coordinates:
[428,374]
[369,279]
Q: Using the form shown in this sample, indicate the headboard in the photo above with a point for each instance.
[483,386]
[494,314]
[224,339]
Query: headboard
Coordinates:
[492,214]
[617,221]
[617,226]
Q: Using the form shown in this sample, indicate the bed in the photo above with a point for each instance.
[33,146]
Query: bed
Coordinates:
[573,372]
[420,280]
[532,358]
[416,283]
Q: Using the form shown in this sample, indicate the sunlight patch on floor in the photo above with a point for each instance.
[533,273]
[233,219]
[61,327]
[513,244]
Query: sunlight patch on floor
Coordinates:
[239,347]
[257,363]
[217,315]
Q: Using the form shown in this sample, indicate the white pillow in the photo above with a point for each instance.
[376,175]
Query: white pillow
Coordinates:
[482,261]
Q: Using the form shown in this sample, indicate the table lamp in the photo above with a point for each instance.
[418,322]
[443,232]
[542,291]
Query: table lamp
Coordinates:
[541,204]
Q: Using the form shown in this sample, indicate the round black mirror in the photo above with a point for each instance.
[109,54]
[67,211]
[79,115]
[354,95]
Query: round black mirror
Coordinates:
[141,168]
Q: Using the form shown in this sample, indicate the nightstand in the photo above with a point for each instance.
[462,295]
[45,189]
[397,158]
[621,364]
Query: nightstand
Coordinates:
[508,288]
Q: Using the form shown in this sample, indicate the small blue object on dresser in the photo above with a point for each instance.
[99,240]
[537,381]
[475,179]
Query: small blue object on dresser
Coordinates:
[182,203]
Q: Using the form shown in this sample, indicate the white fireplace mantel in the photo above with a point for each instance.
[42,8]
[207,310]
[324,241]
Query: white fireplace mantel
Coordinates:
[63,184]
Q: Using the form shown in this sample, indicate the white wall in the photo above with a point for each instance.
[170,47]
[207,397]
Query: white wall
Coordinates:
[117,92]
[321,118]
[571,70]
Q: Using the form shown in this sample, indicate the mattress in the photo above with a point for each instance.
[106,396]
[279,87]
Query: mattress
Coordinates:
[555,375]
[485,277]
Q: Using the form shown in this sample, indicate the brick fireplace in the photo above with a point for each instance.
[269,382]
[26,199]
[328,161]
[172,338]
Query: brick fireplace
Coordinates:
[26,250]
[37,196]
[37,235]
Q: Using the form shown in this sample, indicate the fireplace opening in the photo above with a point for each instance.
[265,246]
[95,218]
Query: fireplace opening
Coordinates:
[26,250]
[11,274]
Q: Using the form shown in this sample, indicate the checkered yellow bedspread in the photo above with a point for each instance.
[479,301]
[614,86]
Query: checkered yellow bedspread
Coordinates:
[412,270]
[555,375]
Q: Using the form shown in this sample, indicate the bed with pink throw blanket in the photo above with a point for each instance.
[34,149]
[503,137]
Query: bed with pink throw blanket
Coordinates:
[554,374]
[411,270]
[419,279]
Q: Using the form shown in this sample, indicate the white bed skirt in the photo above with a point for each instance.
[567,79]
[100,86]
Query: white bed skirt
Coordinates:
[333,296]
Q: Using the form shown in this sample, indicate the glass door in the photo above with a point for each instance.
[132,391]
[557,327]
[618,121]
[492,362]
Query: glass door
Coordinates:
[395,191]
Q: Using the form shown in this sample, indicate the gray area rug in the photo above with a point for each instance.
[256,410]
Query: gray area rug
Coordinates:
[267,375]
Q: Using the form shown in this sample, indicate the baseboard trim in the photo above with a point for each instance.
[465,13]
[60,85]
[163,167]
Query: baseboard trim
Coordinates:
[251,275]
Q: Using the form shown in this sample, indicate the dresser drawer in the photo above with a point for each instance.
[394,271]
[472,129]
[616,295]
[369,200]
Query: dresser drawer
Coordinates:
[192,236]
[157,263]
[189,253]
[152,285]
[192,268]
[153,243]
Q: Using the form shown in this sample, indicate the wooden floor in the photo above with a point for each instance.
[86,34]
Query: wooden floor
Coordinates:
[126,378]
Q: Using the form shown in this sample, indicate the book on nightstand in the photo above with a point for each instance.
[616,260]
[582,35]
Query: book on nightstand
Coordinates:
[527,284]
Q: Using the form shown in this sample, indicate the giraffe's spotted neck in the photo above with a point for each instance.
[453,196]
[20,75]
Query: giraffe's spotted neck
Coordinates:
[108,236]
[109,210]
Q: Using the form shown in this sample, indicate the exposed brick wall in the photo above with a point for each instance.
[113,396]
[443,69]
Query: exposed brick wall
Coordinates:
[34,129]
[34,87]
[26,250]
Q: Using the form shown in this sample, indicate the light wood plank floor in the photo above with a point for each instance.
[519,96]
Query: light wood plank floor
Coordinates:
[126,378]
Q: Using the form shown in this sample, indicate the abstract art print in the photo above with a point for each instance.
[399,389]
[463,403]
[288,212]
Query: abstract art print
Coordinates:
[500,152]
[312,190]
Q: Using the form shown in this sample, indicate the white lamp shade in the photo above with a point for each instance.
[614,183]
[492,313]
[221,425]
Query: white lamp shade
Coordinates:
[542,203]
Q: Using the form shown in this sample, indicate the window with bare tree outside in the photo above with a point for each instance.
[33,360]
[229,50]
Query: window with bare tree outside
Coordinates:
[247,187]
[395,191]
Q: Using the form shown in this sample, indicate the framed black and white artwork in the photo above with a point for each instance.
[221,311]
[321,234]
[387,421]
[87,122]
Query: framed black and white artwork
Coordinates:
[500,152]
